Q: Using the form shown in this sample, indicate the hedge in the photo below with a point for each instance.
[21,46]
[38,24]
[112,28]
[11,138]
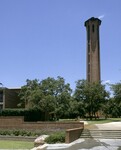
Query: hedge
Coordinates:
[29,114]
[58,137]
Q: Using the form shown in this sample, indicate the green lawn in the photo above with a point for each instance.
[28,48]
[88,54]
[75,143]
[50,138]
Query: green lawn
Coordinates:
[101,121]
[6,144]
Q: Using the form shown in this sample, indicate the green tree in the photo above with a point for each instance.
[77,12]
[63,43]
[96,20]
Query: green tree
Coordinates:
[111,108]
[116,100]
[50,95]
[92,95]
[28,93]
[76,109]
[116,88]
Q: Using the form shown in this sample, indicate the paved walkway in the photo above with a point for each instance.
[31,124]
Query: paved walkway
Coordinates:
[89,144]
[109,126]
[92,144]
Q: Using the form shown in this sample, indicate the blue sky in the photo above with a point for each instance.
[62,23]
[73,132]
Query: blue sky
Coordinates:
[47,38]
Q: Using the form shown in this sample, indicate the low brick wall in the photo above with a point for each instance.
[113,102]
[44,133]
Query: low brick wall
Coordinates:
[8,121]
[18,123]
[73,134]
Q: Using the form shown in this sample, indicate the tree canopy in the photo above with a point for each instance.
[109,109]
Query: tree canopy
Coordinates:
[50,95]
[55,99]
[92,95]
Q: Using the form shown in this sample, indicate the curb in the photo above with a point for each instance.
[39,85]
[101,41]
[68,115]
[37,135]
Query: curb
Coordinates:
[41,147]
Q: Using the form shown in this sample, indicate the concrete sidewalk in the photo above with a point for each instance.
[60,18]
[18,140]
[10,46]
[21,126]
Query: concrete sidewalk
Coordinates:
[109,126]
[88,144]
[92,143]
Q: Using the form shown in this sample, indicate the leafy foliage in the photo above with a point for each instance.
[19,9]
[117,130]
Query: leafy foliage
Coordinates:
[116,88]
[29,114]
[92,95]
[58,137]
[12,112]
[51,96]
[18,133]
[112,107]
[54,99]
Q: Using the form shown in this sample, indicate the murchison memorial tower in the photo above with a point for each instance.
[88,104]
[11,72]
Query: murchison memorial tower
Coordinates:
[93,49]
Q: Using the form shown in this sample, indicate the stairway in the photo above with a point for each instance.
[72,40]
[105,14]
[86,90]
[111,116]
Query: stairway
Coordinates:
[103,134]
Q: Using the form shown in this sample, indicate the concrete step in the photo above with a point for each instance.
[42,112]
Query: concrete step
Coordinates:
[106,134]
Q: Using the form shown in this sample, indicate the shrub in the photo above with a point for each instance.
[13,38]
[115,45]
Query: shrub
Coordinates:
[7,132]
[58,137]
[29,114]
[16,132]
[32,115]
[23,132]
[12,112]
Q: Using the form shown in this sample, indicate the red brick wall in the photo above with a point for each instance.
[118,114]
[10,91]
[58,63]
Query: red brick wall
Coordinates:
[73,134]
[18,123]
[10,121]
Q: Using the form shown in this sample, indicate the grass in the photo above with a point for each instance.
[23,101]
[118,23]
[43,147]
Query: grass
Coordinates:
[66,120]
[101,121]
[97,121]
[16,144]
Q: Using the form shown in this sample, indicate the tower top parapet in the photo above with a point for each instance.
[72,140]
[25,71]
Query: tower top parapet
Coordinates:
[91,20]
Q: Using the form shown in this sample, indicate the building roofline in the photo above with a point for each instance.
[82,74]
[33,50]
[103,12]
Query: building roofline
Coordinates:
[11,88]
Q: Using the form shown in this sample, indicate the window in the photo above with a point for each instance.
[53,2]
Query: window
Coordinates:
[1,96]
[1,107]
[88,67]
[88,57]
[88,33]
[93,28]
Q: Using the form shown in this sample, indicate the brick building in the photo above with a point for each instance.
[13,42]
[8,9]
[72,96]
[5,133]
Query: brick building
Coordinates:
[9,97]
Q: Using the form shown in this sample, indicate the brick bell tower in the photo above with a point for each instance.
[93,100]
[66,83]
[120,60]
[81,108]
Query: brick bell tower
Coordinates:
[93,50]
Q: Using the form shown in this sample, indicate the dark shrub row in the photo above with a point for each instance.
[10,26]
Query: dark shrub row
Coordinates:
[57,137]
[29,115]
[12,112]
[18,133]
